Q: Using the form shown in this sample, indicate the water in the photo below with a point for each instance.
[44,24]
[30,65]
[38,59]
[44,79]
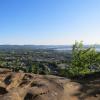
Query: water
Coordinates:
[98,49]
[69,49]
[63,49]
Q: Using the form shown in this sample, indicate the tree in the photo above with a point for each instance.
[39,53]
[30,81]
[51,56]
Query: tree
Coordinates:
[35,68]
[40,68]
[84,60]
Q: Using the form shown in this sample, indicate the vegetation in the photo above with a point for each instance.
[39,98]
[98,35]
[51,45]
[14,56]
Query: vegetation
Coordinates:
[35,61]
[84,60]
[80,61]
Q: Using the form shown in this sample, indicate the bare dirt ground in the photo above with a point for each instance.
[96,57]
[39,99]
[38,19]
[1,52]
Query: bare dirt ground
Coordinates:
[25,86]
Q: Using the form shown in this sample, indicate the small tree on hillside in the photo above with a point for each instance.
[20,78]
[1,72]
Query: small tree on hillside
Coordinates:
[83,60]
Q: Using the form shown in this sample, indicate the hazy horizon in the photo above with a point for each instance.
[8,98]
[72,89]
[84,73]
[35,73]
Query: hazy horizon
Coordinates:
[49,22]
[47,44]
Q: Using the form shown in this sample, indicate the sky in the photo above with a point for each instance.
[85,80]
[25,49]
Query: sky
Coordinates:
[49,22]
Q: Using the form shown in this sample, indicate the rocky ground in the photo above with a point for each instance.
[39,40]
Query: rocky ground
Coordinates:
[25,86]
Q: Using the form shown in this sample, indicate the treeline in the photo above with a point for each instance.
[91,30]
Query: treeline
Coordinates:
[36,68]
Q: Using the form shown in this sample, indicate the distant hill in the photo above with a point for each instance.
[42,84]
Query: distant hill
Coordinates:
[34,47]
[47,47]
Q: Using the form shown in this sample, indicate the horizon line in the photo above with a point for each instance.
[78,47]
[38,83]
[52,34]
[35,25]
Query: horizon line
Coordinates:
[46,44]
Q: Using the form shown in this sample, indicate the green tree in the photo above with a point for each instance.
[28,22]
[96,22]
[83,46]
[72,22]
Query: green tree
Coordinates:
[84,60]
[35,68]
[40,69]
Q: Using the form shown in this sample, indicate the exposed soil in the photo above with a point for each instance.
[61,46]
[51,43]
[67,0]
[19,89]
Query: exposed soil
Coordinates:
[25,86]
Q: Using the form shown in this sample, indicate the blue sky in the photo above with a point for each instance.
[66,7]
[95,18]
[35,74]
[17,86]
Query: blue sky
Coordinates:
[49,21]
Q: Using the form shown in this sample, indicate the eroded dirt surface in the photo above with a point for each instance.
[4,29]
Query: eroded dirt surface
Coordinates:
[25,86]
